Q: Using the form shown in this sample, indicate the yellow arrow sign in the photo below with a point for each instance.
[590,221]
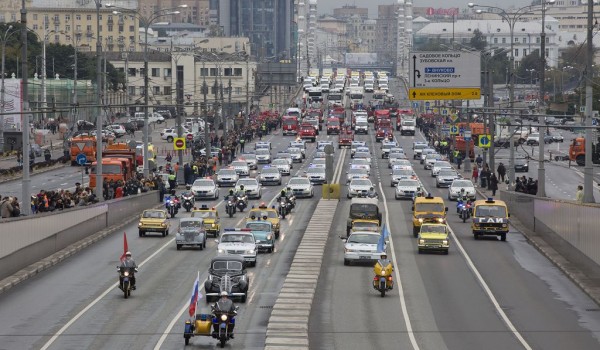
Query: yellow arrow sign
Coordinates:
[444,93]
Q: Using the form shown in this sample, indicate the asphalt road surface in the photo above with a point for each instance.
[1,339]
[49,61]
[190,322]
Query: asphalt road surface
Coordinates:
[80,294]
[485,294]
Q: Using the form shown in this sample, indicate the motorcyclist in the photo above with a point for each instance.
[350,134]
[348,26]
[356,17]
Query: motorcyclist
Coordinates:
[283,195]
[384,262]
[241,192]
[188,193]
[372,193]
[130,263]
[226,305]
[175,200]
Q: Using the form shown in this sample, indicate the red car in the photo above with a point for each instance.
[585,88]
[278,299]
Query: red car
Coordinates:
[346,137]
[333,126]
[307,131]
[383,132]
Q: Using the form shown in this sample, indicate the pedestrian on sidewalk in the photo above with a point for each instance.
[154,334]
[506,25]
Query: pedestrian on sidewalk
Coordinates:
[579,194]
[475,174]
[501,171]
[493,184]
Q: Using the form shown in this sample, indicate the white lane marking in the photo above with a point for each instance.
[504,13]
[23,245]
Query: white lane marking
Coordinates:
[409,329]
[66,183]
[487,290]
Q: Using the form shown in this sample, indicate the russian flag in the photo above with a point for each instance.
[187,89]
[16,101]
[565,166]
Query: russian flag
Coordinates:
[195,296]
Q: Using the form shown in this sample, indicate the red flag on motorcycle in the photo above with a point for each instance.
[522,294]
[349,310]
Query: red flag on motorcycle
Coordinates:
[125,247]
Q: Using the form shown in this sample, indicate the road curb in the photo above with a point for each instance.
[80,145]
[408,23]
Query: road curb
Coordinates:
[30,271]
[287,327]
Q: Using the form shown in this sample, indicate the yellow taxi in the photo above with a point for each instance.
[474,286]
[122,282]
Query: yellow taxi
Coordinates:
[154,220]
[433,237]
[490,217]
[210,217]
[265,213]
[428,209]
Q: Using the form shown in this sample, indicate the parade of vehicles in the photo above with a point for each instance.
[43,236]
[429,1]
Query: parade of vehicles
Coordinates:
[263,156]
[361,246]
[269,176]
[433,237]
[231,267]
[316,175]
[265,213]
[227,177]
[439,165]
[282,165]
[251,188]
[345,138]
[154,220]
[191,233]
[427,209]
[365,225]
[210,219]
[402,173]
[490,218]
[263,233]
[363,209]
[205,189]
[339,113]
[460,188]
[240,167]
[333,126]
[445,177]
[356,173]
[318,126]
[383,280]
[296,154]
[300,187]
[238,241]
[408,189]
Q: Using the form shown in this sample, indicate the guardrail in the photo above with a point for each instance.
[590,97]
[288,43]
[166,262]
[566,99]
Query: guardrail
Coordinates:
[26,240]
[558,221]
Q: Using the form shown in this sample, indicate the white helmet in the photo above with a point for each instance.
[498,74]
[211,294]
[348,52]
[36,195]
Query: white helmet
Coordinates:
[224,294]
[128,254]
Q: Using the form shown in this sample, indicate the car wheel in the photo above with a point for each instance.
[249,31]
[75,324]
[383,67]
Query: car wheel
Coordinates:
[170,139]
[346,262]
[164,233]
[420,251]
[141,233]
[179,247]
[503,237]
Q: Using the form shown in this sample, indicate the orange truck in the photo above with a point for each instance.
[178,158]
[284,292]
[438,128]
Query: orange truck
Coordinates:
[83,144]
[461,146]
[476,128]
[577,151]
[118,163]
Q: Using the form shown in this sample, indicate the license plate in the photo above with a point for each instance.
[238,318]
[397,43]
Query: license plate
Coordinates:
[435,246]
[364,257]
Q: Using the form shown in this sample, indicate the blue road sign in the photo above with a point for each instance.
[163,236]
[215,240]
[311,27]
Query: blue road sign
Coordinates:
[444,111]
[415,104]
[81,159]
[439,70]
[484,140]
[594,121]
[461,130]
[427,104]
[454,129]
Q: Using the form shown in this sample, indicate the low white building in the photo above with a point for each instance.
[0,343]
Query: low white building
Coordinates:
[526,36]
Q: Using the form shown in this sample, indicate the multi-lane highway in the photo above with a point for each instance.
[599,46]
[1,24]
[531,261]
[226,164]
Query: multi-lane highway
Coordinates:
[76,305]
[485,294]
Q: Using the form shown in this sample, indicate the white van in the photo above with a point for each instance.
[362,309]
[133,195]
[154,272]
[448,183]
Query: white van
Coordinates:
[153,117]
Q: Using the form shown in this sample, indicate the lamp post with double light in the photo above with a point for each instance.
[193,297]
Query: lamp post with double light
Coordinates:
[146,21]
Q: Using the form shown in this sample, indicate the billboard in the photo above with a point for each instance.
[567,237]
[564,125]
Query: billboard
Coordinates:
[12,104]
[360,58]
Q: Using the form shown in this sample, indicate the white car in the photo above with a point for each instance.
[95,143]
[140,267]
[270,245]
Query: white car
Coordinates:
[238,242]
[359,187]
[418,148]
[316,175]
[361,127]
[263,155]
[361,162]
[369,87]
[356,145]
[300,187]
[402,164]
[227,177]
[431,159]
[251,187]
[356,173]
[296,154]
[408,189]
[384,87]
[362,246]
[402,174]
[456,189]
[439,165]
[117,129]
[250,159]
[318,163]
[287,156]
[263,144]
[300,144]
[170,134]
[424,154]
[362,155]
[395,158]
[205,188]
[359,149]
[385,149]
[269,176]
[445,177]
[283,165]
[321,145]
[241,167]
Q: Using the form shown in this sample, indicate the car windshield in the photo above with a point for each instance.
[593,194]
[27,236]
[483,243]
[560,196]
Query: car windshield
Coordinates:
[363,209]
[408,122]
[247,182]
[283,155]
[363,238]
[387,146]
[360,161]
[362,123]
[429,207]
[358,171]
[227,265]
[270,171]
[447,173]
[204,183]
[262,151]
[402,172]
[333,122]
[227,172]
[433,229]
[319,161]
[235,238]
[442,165]
[521,161]
[365,226]
[249,156]
[408,183]
[239,163]
[294,150]
[315,171]
[419,146]
[462,183]
[490,210]
[299,182]
[154,214]
[258,226]
[361,182]
[191,223]
[359,155]
[205,214]
[433,156]
[280,162]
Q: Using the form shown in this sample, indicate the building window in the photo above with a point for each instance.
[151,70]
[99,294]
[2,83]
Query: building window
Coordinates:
[167,90]
[120,27]
[516,52]
[516,40]
[237,72]
[504,40]
[131,90]
[100,17]
[547,40]
[155,72]
[214,72]
[547,52]
[156,90]
[35,16]
[35,27]
[537,40]
[67,17]
[495,40]
[110,27]
[89,17]
[524,52]
[131,72]
[203,72]
[227,72]
[78,17]
[67,28]
[167,72]
[131,28]
[238,90]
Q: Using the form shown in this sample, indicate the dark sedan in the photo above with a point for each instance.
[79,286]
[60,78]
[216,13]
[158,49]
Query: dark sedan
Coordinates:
[521,165]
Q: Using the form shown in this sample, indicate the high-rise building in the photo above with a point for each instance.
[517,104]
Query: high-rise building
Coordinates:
[386,42]
[267,23]
[196,12]
[348,11]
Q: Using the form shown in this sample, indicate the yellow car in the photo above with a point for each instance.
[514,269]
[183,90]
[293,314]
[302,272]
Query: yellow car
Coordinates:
[365,225]
[265,213]
[428,210]
[210,217]
[154,220]
[433,237]
[490,217]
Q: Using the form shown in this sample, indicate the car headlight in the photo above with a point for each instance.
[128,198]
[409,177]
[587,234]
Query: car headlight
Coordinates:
[223,317]
[251,251]
[214,225]
[421,241]
[383,272]
[140,224]
[349,250]
[504,225]
[440,220]
[163,224]
[221,251]
[269,237]
[421,220]
[445,242]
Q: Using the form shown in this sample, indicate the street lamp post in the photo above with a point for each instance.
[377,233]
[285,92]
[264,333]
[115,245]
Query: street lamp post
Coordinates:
[147,22]
[9,31]
[26,182]
[588,177]
[99,102]
[511,18]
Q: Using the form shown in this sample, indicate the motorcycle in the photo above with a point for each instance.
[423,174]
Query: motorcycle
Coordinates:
[230,208]
[223,320]
[188,201]
[464,209]
[283,208]
[172,206]
[126,279]
[242,203]
[383,281]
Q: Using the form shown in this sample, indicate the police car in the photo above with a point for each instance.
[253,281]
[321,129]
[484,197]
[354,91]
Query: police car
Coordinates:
[262,145]
[236,241]
[386,147]
[263,155]
[395,158]
[205,188]
[316,175]
[321,145]
[300,187]
[287,156]
[296,154]
[362,155]
[269,176]
[241,167]
[362,163]
[359,187]
[439,165]
[227,177]
[299,144]
[318,163]
[408,188]
[250,159]
[399,174]
[357,144]
[251,187]
[401,164]
[283,165]
[356,173]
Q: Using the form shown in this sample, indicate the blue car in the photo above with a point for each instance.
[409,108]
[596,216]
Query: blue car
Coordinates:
[264,235]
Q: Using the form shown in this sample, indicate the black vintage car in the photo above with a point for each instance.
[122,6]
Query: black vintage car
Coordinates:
[227,273]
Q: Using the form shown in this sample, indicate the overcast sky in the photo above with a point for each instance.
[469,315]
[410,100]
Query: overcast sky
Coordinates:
[327,6]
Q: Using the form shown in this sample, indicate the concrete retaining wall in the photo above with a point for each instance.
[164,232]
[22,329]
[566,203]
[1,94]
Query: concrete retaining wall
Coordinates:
[26,240]
[562,223]
[288,324]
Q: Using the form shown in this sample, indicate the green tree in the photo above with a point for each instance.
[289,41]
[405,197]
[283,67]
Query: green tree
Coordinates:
[529,62]
[498,65]
[13,50]
[478,41]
